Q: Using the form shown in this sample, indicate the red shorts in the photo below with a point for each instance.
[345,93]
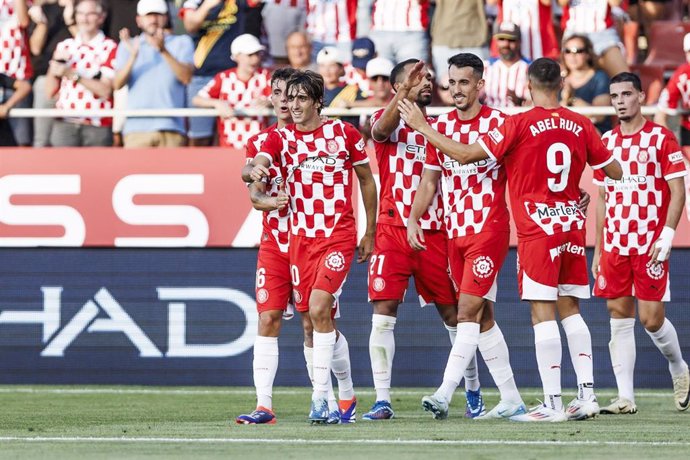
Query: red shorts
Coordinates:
[273,287]
[319,263]
[394,261]
[475,261]
[634,275]
[553,266]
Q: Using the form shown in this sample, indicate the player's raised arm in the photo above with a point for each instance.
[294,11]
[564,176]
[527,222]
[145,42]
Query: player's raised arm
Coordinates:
[422,200]
[367,187]
[462,153]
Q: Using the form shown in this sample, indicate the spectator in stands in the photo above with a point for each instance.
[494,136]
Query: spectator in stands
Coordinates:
[363,50]
[51,23]
[457,27]
[280,19]
[337,93]
[19,89]
[247,86]
[156,66]
[399,29]
[594,19]
[213,24]
[332,23]
[506,76]
[81,73]
[583,85]
[380,90]
[14,58]
[298,47]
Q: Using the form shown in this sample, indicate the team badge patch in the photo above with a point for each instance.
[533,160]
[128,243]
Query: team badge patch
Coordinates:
[332,146]
[601,282]
[643,156]
[335,261]
[483,267]
[262,295]
[379,284]
[297,296]
[655,271]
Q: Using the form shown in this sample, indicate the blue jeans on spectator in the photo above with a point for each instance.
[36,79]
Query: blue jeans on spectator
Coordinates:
[199,127]
[22,128]
[398,46]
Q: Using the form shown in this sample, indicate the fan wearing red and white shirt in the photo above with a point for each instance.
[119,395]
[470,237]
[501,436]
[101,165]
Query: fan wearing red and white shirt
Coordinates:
[400,152]
[636,221]
[332,23]
[594,19]
[478,228]
[81,73]
[317,159]
[535,19]
[544,151]
[243,87]
[506,75]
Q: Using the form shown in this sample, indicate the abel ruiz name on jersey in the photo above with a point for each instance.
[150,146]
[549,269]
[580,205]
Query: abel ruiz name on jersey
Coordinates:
[554,123]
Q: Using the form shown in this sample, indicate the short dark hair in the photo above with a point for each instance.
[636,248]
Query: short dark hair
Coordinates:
[545,74]
[461,60]
[589,49]
[312,84]
[629,77]
[398,69]
[282,74]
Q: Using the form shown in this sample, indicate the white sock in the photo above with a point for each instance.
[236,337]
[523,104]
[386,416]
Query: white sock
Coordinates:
[381,353]
[494,350]
[463,351]
[452,332]
[547,344]
[324,342]
[580,348]
[623,353]
[265,366]
[309,359]
[666,340]
[341,368]
[472,372]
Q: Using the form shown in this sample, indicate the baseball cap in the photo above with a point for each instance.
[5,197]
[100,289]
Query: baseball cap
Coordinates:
[363,50]
[329,55]
[686,42]
[246,44]
[379,66]
[507,30]
[145,7]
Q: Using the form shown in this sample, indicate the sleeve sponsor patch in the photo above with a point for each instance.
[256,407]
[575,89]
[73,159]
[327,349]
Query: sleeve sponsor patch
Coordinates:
[496,135]
[676,157]
[360,144]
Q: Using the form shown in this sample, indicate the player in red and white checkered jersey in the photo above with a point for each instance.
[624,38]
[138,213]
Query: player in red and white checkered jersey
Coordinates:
[478,227]
[81,73]
[243,87]
[317,159]
[14,46]
[544,151]
[535,19]
[636,221]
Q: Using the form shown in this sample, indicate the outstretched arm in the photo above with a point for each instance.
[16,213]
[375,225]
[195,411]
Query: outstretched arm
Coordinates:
[390,118]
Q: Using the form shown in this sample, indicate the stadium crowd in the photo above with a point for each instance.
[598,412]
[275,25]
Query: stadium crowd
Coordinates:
[174,55]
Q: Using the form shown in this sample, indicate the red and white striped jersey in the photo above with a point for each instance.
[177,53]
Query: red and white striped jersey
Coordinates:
[586,16]
[87,59]
[318,167]
[14,45]
[676,94]
[501,78]
[400,15]
[536,26]
[637,204]
[332,21]
[401,160]
[355,76]
[228,86]
[473,194]
[276,223]
[544,152]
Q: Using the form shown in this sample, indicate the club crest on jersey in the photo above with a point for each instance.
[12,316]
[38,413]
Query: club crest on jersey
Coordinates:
[379,284]
[643,156]
[496,135]
[601,282]
[262,295]
[297,296]
[483,267]
[335,261]
[655,271]
[331,146]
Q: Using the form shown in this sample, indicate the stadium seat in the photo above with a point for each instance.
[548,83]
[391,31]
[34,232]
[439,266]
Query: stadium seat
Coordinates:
[652,77]
[666,39]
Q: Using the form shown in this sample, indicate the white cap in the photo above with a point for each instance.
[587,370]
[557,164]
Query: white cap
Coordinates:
[329,55]
[145,7]
[379,66]
[686,42]
[246,44]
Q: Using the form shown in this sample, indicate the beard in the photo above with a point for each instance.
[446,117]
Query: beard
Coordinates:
[424,101]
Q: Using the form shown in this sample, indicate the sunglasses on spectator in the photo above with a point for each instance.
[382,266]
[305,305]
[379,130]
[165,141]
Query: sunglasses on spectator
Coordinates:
[574,50]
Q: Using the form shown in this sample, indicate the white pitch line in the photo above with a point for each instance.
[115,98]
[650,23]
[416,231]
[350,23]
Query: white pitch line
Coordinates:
[248,391]
[87,439]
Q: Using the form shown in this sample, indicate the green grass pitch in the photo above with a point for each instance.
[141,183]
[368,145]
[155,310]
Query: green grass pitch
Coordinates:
[96,422]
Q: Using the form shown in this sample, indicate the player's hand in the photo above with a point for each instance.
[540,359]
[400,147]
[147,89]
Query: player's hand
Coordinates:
[224,110]
[415,236]
[365,248]
[414,77]
[258,173]
[584,201]
[514,98]
[131,44]
[281,201]
[411,114]
[661,249]
[595,264]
